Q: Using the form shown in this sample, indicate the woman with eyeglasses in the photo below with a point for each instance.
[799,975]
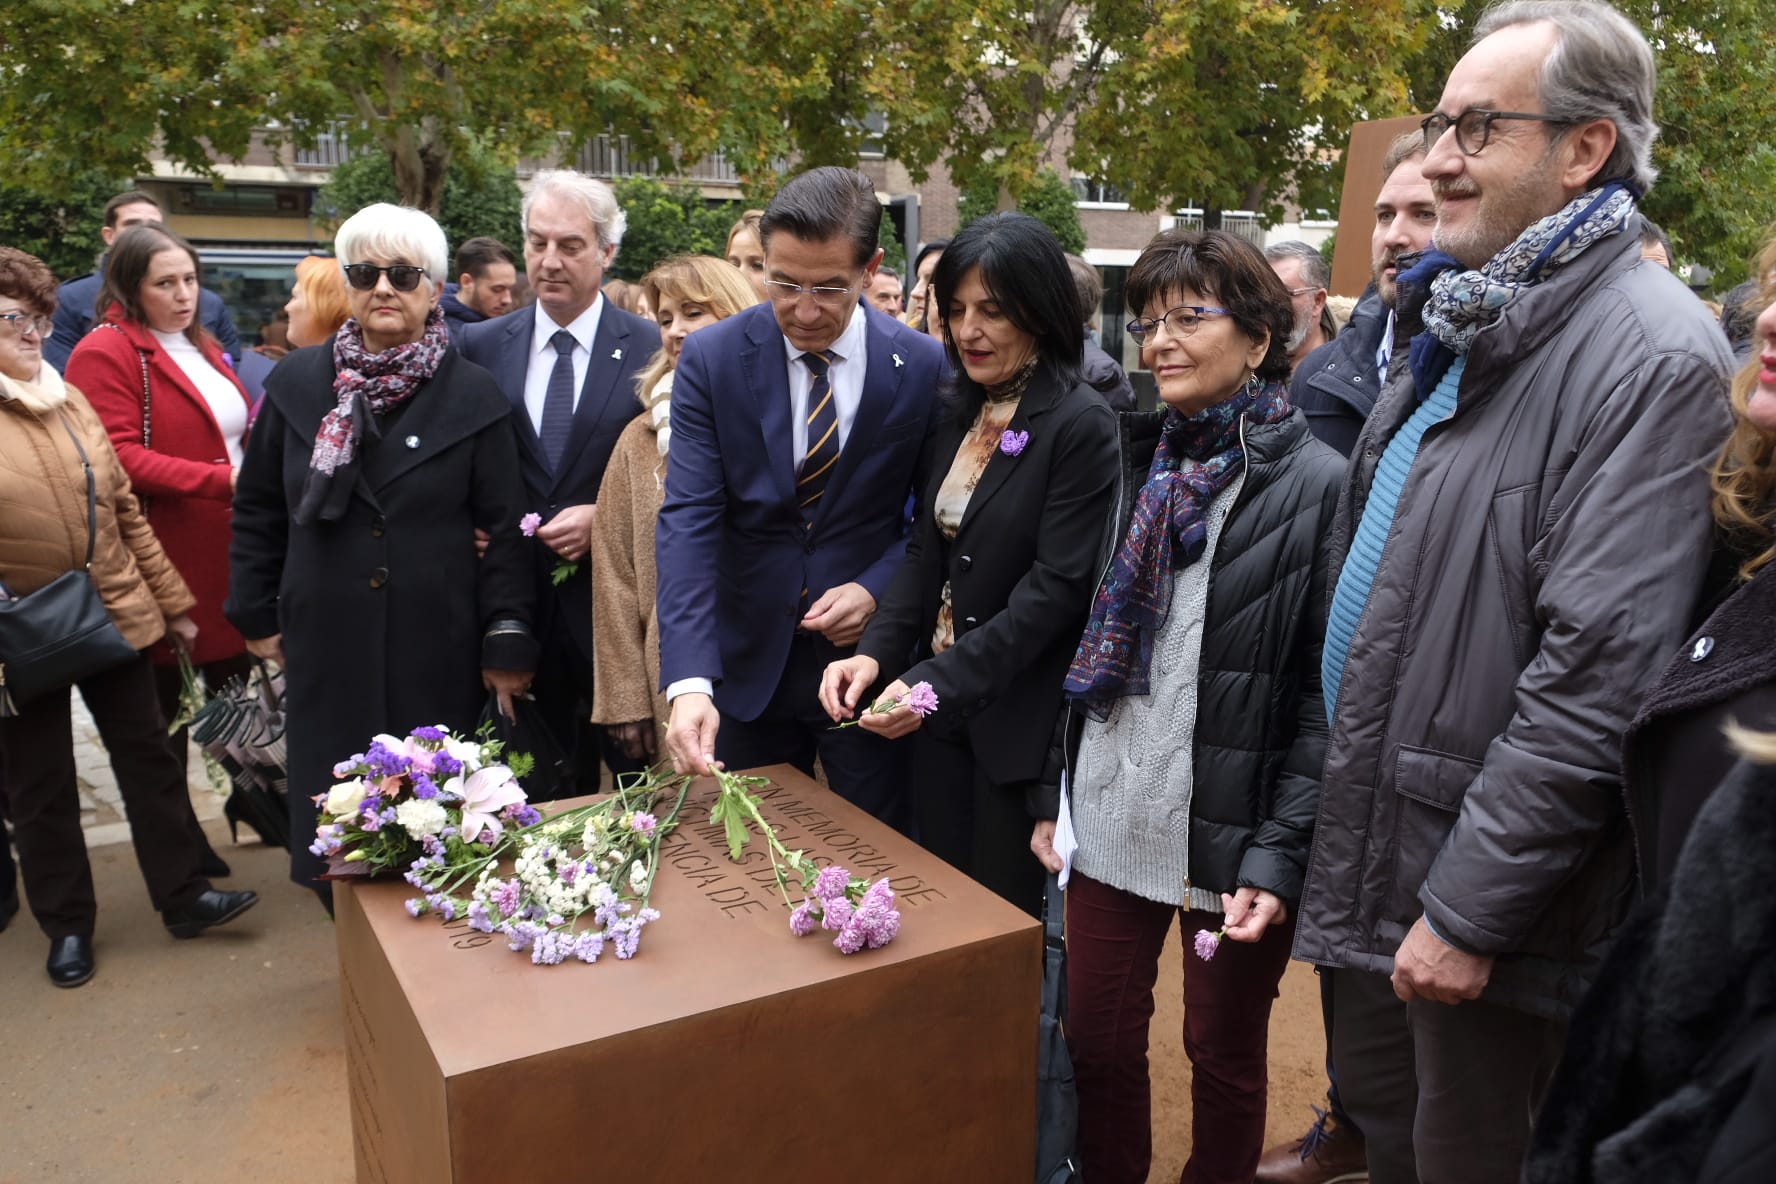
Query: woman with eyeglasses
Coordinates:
[1195,729]
[50,442]
[177,416]
[998,574]
[375,458]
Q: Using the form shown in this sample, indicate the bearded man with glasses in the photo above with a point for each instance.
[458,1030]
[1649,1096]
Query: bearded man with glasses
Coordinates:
[1523,537]
[798,428]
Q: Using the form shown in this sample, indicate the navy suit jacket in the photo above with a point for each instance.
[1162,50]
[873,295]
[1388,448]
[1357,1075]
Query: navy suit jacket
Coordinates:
[732,550]
[620,350]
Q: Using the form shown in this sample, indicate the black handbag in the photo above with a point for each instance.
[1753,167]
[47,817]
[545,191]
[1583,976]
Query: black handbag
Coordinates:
[551,774]
[60,633]
[1057,1094]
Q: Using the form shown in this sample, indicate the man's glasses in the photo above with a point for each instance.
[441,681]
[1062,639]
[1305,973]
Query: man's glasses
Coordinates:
[403,277]
[826,297]
[1180,322]
[22,323]
[1473,127]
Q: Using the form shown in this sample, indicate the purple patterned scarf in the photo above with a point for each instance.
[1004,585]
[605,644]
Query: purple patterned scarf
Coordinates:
[366,386]
[1167,533]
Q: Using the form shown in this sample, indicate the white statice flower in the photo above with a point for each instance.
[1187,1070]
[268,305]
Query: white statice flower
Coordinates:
[421,817]
[345,798]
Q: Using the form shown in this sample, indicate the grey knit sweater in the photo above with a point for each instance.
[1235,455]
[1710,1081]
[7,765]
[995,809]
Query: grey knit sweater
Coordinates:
[1132,780]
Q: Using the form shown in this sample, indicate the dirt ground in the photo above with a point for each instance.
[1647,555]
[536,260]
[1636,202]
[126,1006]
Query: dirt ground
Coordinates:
[221,1059]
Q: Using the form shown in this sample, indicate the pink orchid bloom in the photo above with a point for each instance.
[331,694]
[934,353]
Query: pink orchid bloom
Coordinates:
[485,793]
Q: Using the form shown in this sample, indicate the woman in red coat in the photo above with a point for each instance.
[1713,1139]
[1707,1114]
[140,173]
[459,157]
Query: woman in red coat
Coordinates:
[177,417]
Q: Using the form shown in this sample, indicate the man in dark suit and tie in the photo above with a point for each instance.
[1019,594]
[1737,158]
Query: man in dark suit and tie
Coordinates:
[798,432]
[568,365]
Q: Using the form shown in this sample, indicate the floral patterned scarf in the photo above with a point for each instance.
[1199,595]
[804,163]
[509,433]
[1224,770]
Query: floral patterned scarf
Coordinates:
[1198,457]
[366,386]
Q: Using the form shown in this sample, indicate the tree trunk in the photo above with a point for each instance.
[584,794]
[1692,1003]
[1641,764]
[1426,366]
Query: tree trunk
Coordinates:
[421,160]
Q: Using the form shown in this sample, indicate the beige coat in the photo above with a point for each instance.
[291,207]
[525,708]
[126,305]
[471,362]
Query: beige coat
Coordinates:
[625,626]
[43,527]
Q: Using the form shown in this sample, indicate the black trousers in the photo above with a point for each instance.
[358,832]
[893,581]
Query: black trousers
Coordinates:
[864,769]
[168,683]
[973,824]
[563,691]
[38,748]
[1442,1093]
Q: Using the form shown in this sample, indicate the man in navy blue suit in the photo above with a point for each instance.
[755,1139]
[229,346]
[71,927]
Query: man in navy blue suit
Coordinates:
[568,365]
[798,431]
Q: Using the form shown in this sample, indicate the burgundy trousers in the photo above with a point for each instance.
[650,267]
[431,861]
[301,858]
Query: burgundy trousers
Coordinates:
[1114,939]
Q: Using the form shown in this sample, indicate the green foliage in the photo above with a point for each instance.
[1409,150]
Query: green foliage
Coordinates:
[480,197]
[893,251]
[59,224]
[1048,199]
[666,220]
[1328,247]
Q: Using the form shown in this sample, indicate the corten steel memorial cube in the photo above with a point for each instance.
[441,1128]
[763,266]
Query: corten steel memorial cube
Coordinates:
[727,1050]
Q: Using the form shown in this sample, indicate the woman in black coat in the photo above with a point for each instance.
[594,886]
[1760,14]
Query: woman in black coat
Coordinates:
[998,574]
[1197,729]
[374,460]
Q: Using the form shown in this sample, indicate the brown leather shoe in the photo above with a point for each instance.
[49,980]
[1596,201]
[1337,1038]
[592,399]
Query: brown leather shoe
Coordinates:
[1327,1154]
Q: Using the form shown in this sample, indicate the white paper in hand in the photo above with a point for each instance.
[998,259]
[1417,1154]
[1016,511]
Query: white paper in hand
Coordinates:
[1065,842]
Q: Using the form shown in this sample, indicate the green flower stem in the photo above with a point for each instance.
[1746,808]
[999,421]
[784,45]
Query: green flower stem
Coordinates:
[738,798]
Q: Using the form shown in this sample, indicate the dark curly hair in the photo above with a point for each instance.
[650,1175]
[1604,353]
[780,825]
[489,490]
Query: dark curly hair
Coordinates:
[1227,270]
[24,278]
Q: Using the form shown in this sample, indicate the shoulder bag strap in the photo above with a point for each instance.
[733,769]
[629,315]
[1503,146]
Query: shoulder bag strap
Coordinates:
[92,494]
[1054,977]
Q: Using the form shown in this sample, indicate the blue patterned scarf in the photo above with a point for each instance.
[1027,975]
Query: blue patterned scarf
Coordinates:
[1464,302]
[1198,457]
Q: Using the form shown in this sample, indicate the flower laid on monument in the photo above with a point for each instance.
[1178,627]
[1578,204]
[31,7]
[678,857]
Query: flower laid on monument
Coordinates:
[860,912]
[919,699]
[404,796]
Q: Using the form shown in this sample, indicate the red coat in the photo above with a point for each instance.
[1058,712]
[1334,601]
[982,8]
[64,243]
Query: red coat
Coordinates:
[183,478]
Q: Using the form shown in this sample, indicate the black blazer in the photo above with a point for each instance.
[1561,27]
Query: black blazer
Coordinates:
[1021,570]
[620,350]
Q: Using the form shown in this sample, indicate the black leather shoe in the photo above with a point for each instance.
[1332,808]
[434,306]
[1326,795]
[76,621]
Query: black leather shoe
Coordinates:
[70,961]
[213,908]
[214,867]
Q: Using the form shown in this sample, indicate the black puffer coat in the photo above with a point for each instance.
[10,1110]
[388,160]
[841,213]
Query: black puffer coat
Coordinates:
[1260,734]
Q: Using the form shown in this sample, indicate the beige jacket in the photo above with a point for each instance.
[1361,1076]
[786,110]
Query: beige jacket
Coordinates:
[625,626]
[43,528]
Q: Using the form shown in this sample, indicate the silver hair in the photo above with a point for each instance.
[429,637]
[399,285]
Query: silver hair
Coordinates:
[593,197]
[1601,67]
[395,234]
[1315,272]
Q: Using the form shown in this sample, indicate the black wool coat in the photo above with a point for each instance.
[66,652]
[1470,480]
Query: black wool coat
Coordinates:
[387,616]
[1021,569]
[1260,735]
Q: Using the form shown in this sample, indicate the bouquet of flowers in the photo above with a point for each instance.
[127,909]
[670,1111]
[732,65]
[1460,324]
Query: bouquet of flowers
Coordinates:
[862,913]
[404,798]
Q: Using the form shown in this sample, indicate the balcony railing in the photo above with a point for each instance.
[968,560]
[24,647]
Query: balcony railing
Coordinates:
[331,150]
[613,156]
[1239,222]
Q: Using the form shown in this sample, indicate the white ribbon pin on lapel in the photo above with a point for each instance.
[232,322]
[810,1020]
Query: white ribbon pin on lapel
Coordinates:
[616,355]
[897,362]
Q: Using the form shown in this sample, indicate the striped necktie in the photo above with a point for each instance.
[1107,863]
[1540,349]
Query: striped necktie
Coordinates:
[823,437]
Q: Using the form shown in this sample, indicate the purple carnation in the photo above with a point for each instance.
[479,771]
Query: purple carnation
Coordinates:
[837,914]
[801,920]
[831,882]
[1207,943]
[851,938]
[644,823]
[1013,443]
[920,699]
[527,525]
[506,895]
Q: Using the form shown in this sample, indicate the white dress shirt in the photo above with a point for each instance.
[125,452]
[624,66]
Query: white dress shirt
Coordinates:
[851,359]
[1384,352]
[543,355]
[226,405]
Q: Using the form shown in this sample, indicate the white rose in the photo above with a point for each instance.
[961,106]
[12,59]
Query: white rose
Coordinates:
[420,816]
[345,798]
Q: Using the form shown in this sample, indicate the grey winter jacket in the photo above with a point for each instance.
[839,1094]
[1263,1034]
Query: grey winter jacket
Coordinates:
[1550,545]
[1260,730]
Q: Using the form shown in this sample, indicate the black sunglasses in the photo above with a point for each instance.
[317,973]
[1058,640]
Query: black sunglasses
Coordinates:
[403,277]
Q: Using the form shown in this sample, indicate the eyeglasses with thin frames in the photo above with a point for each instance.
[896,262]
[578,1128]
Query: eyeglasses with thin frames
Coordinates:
[22,323]
[1473,127]
[403,277]
[1180,322]
[824,295]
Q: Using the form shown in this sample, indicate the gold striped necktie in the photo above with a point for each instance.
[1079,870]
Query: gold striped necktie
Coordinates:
[823,438]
